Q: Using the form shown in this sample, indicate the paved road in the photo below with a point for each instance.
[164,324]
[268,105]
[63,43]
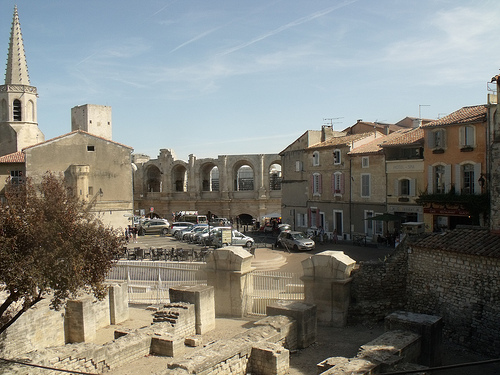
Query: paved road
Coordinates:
[266,252]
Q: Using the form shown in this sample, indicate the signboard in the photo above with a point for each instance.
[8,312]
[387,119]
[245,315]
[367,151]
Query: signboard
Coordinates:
[446,211]
[151,209]
[226,236]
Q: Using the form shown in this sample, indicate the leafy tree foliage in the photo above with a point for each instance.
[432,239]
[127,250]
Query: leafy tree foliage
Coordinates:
[50,246]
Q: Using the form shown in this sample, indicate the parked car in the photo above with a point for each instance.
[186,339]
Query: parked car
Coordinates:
[188,233]
[295,241]
[237,239]
[207,235]
[159,226]
[178,226]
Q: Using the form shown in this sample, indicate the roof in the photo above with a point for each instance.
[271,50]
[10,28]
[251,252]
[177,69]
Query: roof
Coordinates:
[340,141]
[17,68]
[374,125]
[408,138]
[472,241]
[465,115]
[376,145]
[15,157]
[73,133]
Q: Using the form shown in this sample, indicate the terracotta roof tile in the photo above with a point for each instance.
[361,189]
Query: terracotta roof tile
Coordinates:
[376,145]
[411,137]
[465,115]
[339,141]
[16,157]
[472,241]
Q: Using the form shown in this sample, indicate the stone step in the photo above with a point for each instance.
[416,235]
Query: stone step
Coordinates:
[269,263]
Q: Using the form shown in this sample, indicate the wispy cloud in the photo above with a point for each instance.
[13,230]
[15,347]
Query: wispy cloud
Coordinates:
[198,37]
[287,26]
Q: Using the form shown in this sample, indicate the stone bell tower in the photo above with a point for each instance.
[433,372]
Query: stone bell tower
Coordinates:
[18,99]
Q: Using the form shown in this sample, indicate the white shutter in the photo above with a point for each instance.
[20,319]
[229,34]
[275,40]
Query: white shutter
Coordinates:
[447,178]
[430,180]
[431,139]
[413,187]
[396,187]
[458,177]
[462,136]
[477,175]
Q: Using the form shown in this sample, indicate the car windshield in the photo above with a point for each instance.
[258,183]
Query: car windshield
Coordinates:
[297,236]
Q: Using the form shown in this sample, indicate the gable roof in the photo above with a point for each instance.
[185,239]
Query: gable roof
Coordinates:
[15,157]
[75,133]
[340,141]
[376,145]
[465,115]
[408,138]
[472,241]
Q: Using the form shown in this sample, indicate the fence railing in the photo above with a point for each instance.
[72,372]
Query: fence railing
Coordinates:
[149,281]
[271,286]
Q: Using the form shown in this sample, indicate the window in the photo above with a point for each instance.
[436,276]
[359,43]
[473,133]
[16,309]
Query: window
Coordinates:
[302,220]
[437,139]
[365,185]
[338,183]
[467,138]
[244,181]
[16,177]
[365,161]
[16,107]
[275,177]
[337,157]
[439,184]
[315,158]
[298,166]
[468,179]
[90,148]
[316,184]
[404,187]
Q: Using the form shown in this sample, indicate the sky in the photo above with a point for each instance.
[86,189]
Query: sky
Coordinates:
[237,77]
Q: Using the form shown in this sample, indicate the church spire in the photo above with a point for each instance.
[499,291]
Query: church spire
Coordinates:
[17,68]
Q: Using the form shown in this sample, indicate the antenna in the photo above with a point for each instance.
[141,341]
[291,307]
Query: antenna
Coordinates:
[329,121]
[420,108]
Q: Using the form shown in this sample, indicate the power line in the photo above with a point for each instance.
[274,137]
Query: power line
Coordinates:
[49,368]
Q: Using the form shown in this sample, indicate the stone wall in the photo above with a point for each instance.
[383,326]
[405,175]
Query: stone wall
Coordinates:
[463,289]
[379,287]
[41,327]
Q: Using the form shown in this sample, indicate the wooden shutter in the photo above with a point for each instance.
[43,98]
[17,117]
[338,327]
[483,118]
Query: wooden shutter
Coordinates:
[447,178]
[477,175]
[458,177]
[430,179]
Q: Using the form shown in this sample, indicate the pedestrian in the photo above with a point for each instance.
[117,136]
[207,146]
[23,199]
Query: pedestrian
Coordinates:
[335,236]
[134,234]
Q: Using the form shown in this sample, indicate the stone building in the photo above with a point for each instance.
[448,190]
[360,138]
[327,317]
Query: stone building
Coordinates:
[317,180]
[97,169]
[455,165]
[238,187]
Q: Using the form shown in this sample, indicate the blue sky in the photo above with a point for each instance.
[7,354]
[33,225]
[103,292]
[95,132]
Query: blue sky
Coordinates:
[245,77]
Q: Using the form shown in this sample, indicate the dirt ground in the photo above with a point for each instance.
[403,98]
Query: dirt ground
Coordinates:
[330,342]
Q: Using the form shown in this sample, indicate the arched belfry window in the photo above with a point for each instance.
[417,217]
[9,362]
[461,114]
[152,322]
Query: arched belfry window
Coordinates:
[16,110]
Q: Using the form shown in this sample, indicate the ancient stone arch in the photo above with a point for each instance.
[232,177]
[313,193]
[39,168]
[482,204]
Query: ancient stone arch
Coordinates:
[208,185]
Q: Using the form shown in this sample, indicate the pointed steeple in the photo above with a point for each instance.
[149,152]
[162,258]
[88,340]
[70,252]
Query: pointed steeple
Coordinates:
[17,68]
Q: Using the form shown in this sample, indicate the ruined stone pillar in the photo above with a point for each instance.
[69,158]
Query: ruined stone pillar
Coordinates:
[228,272]
[327,284]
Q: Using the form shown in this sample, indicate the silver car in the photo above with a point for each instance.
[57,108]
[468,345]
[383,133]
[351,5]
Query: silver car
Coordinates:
[295,241]
[237,239]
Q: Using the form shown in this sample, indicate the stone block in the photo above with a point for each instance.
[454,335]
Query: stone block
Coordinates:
[430,327]
[305,316]
[118,303]
[79,321]
[329,265]
[193,341]
[269,359]
[392,348]
[203,299]
[167,345]
[329,363]
[352,366]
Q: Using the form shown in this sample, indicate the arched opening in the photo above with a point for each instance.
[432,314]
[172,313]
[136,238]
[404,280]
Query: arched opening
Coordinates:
[275,177]
[30,111]
[153,179]
[179,179]
[210,178]
[244,178]
[16,110]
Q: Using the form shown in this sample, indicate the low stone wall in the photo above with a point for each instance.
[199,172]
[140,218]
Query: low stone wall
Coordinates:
[40,327]
[378,287]
[232,356]
[464,289]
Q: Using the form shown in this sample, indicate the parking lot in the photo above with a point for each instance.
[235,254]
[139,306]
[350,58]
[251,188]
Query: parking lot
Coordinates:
[265,251]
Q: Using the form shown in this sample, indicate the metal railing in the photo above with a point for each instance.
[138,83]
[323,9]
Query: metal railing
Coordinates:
[149,281]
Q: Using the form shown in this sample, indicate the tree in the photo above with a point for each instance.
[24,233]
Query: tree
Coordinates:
[50,247]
